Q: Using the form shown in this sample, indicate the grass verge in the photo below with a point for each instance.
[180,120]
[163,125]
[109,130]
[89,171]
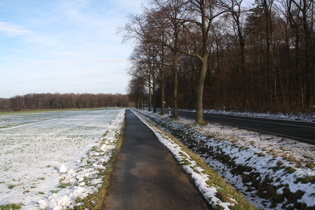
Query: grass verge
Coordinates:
[96,201]
[271,185]
[225,191]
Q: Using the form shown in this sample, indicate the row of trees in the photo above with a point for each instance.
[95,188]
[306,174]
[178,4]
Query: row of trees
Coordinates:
[63,101]
[223,54]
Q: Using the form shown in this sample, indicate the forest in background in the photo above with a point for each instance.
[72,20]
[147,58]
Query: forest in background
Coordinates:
[223,54]
[63,101]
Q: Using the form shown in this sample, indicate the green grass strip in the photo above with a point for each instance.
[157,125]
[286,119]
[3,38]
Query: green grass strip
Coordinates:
[10,206]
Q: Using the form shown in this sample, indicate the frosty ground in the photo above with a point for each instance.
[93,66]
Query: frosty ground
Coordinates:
[49,159]
[272,172]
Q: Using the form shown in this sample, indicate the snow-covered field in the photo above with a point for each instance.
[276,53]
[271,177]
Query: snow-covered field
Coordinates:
[272,172]
[49,159]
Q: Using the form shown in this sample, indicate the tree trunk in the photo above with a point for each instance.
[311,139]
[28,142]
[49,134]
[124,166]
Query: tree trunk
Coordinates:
[307,72]
[150,93]
[162,90]
[175,85]
[242,45]
[268,52]
[154,94]
[200,89]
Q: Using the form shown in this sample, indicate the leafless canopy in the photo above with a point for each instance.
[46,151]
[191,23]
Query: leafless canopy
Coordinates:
[226,54]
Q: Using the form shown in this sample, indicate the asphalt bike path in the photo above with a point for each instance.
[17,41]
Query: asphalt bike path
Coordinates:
[146,176]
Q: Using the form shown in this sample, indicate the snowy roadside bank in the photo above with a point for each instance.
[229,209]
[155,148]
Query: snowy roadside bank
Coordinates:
[272,172]
[190,166]
[310,117]
[54,160]
[193,169]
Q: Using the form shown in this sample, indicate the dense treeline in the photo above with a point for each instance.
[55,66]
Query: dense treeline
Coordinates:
[224,54]
[63,101]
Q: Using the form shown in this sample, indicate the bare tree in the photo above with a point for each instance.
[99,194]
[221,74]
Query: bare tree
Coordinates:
[167,19]
[231,57]
[196,17]
[203,13]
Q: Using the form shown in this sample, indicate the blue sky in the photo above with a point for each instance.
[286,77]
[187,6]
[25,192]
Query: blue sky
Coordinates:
[64,46]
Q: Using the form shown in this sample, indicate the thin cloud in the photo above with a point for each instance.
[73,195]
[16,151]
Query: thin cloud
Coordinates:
[12,29]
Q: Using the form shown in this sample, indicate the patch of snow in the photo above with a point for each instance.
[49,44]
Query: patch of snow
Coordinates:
[63,169]
[42,204]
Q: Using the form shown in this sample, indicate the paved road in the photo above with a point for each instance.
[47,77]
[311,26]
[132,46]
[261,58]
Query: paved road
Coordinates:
[301,131]
[146,176]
